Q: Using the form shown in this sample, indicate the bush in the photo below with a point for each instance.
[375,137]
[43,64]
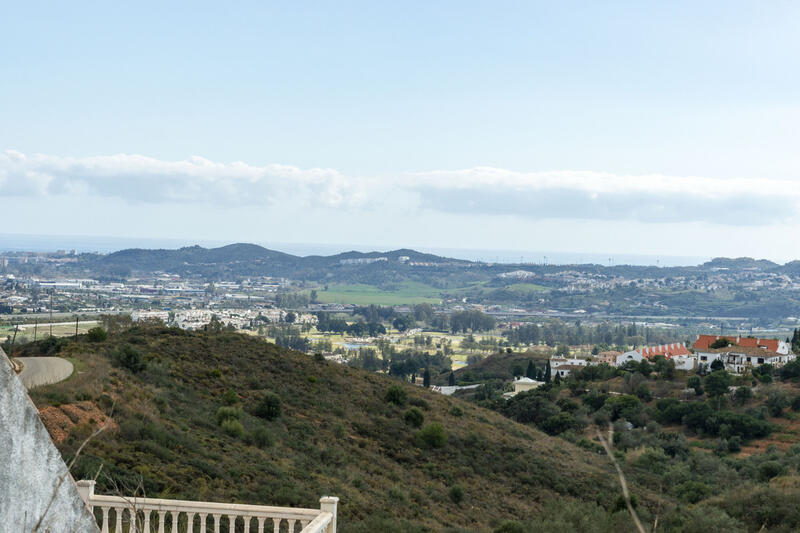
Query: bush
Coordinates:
[263,438]
[695,383]
[419,402]
[510,527]
[456,494]
[776,401]
[228,413]
[269,408]
[414,417]
[96,334]
[796,403]
[456,411]
[692,491]
[643,392]
[742,394]
[233,428]
[129,358]
[396,395]
[432,436]
[769,469]
[230,397]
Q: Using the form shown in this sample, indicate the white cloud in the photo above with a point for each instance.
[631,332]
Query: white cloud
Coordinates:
[651,198]
[138,179]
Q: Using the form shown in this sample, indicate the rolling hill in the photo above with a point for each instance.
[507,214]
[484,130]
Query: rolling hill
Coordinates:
[187,425]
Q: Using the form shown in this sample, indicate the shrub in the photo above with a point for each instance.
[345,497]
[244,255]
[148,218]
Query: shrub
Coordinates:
[456,494]
[432,436]
[269,408]
[769,469]
[96,334]
[233,428]
[129,358]
[396,395]
[456,411]
[414,417]
[692,491]
[228,413]
[695,383]
[776,401]
[419,402]
[263,438]
[230,397]
[796,403]
[742,394]
[643,392]
[510,527]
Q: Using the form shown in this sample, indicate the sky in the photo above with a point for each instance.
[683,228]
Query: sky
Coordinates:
[664,129]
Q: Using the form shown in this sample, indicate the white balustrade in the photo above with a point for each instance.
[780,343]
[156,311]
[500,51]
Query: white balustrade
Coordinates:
[138,515]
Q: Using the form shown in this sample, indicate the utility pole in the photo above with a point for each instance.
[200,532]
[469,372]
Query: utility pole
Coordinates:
[51,313]
[35,329]
[76,328]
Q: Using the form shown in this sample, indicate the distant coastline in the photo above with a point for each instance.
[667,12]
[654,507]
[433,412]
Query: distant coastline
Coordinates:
[104,245]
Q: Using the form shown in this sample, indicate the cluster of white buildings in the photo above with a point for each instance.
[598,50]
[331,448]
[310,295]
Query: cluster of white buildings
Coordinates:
[193,319]
[741,355]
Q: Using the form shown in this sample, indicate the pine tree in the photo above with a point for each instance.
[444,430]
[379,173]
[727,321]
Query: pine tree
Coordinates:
[451,380]
[426,378]
[547,372]
[530,372]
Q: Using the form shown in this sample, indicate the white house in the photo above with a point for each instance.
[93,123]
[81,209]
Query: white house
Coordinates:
[740,359]
[523,384]
[627,357]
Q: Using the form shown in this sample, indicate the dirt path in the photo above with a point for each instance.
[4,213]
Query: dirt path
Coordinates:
[38,371]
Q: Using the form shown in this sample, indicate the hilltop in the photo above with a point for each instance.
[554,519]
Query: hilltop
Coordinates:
[336,434]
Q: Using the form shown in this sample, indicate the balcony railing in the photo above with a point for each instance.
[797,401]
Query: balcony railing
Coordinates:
[119,514]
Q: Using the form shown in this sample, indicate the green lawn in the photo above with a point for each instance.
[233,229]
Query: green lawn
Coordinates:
[526,287]
[357,294]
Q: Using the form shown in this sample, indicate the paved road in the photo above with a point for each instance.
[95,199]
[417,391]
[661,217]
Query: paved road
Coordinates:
[43,370]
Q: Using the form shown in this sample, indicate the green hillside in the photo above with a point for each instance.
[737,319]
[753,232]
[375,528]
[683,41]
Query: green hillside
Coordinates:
[336,434]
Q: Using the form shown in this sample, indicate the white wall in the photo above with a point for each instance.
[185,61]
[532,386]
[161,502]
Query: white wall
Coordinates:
[31,466]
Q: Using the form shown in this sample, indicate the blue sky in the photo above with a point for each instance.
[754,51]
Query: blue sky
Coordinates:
[627,127]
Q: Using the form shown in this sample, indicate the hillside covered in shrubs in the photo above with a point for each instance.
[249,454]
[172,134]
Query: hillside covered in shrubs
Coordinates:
[227,417]
[223,416]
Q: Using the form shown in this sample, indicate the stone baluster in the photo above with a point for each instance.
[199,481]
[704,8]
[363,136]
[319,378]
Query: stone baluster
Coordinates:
[329,505]
[203,517]
[105,520]
[276,523]
[291,525]
[231,523]
[217,519]
[162,515]
[175,515]
[146,525]
[118,514]
[132,513]
[303,524]
[260,524]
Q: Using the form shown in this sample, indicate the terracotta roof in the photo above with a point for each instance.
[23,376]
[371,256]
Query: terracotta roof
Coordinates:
[667,350]
[744,350]
[705,341]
